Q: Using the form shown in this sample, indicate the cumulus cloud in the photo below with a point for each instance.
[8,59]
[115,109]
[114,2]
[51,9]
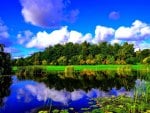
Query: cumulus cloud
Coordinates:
[114,15]
[75,37]
[47,13]
[4,34]
[138,31]
[138,34]
[24,36]
[44,39]
[3,31]
[115,41]
[103,34]
[62,36]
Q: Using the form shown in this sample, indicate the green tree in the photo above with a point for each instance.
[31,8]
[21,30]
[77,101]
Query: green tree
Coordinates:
[74,60]
[62,60]
[99,58]
[143,54]
[20,62]
[146,60]
[104,49]
[85,50]
[37,59]
[93,49]
[2,47]
[110,59]
[126,51]
[44,62]
[5,61]
[115,48]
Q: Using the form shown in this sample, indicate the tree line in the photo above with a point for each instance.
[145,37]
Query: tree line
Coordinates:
[86,54]
[5,61]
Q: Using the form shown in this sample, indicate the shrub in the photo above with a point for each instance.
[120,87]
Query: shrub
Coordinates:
[146,60]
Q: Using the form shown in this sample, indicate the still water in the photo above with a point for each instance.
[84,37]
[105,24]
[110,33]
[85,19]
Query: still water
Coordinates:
[28,96]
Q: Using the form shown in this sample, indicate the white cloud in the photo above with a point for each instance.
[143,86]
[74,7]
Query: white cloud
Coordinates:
[123,33]
[3,31]
[44,39]
[87,37]
[24,36]
[138,31]
[62,36]
[47,13]
[103,34]
[75,37]
[115,41]
[4,35]
[138,34]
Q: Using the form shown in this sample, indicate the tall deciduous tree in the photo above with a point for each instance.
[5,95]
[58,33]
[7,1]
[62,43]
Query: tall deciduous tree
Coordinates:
[5,61]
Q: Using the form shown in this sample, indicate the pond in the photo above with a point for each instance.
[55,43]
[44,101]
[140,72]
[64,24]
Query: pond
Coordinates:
[31,96]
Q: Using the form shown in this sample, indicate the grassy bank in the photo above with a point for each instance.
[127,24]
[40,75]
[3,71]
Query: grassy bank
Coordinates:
[91,67]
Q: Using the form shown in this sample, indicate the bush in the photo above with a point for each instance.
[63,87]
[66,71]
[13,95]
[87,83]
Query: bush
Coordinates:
[146,60]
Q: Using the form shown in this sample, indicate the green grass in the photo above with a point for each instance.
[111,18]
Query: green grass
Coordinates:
[91,67]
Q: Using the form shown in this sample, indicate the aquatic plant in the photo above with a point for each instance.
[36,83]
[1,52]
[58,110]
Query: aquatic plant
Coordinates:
[139,103]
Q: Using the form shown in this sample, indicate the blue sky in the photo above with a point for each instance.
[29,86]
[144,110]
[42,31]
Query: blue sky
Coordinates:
[28,26]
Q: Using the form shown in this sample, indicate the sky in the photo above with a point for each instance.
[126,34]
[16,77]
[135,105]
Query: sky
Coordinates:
[28,26]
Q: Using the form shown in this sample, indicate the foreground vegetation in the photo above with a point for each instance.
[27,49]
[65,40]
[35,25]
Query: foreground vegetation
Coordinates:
[120,104]
[139,102]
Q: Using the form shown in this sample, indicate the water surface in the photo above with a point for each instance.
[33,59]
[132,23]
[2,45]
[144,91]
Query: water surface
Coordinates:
[27,96]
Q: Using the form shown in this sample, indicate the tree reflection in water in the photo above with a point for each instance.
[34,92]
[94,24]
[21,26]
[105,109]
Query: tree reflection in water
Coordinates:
[103,80]
[5,82]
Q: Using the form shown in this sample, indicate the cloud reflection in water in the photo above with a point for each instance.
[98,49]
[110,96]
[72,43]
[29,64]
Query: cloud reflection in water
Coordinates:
[28,95]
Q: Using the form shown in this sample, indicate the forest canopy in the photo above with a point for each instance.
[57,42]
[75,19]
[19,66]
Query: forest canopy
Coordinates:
[86,54]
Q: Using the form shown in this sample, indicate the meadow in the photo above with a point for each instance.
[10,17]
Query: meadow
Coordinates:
[82,67]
